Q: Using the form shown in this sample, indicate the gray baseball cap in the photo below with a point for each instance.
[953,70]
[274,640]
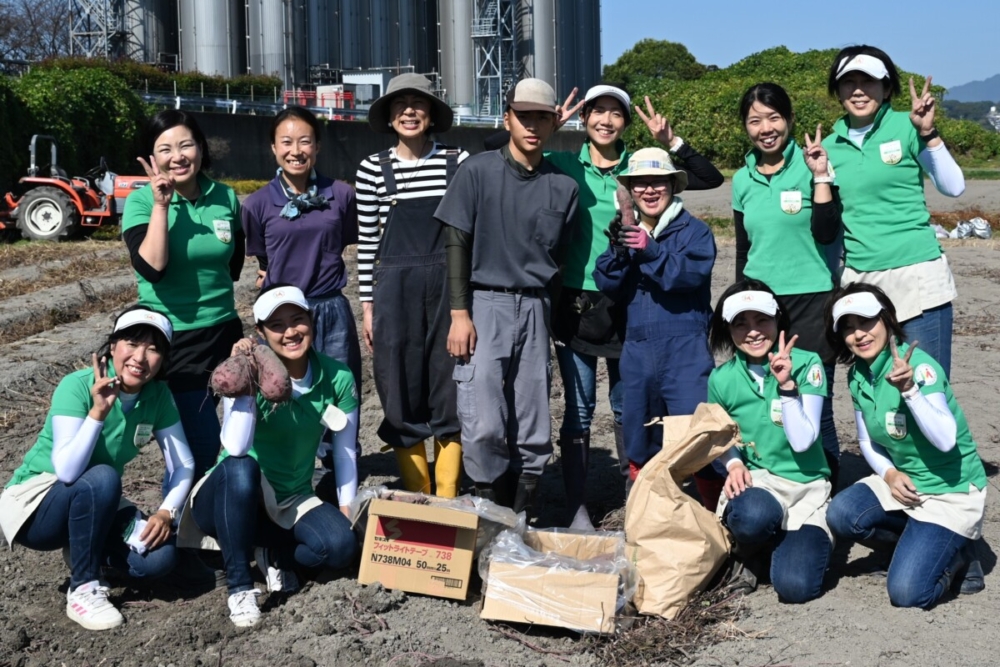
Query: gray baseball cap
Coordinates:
[532,95]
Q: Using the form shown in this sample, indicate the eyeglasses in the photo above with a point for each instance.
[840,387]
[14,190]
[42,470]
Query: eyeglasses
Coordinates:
[641,186]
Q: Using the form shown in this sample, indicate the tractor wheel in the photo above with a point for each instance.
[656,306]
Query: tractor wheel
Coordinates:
[47,214]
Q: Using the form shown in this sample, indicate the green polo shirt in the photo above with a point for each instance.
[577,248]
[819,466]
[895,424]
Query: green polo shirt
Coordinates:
[777,215]
[196,290]
[886,222]
[594,213]
[765,446]
[287,435]
[121,437]
[890,423]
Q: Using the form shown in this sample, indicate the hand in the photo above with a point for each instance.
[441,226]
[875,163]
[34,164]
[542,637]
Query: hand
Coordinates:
[902,487]
[462,335]
[900,375]
[738,481]
[634,237]
[243,346]
[581,304]
[259,282]
[922,113]
[815,154]
[157,530]
[163,187]
[657,125]
[566,110]
[614,229]
[104,392]
[367,315]
[781,363]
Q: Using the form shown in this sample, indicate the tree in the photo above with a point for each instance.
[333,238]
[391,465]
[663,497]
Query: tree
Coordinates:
[652,60]
[33,29]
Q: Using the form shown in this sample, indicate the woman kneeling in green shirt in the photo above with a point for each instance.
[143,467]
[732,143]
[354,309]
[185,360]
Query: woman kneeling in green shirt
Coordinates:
[928,494]
[260,492]
[778,488]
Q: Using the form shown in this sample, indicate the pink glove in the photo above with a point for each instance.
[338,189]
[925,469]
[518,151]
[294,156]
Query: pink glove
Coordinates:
[634,237]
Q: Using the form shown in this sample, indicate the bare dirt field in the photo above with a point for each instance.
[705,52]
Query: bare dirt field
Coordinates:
[49,331]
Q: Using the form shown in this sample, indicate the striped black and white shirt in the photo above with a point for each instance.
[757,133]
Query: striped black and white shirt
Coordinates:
[425,177]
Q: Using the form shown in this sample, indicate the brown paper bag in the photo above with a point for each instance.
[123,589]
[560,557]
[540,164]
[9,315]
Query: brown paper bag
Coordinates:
[675,544]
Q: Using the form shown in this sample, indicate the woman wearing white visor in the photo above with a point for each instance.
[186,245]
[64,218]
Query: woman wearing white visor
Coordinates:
[927,496]
[778,487]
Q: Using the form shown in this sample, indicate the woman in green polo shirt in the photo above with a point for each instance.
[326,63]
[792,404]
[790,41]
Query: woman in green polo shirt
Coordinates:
[778,488]
[880,157]
[260,493]
[928,494]
[67,492]
[784,205]
[187,247]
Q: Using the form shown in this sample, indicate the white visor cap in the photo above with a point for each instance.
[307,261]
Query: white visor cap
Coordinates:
[860,303]
[870,65]
[147,317]
[279,296]
[761,302]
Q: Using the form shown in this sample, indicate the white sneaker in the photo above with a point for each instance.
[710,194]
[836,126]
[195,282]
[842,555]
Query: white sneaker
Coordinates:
[243,609]
[88,605]
[278,581]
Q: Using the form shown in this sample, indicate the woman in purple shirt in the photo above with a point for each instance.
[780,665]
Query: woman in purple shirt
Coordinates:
[298,225]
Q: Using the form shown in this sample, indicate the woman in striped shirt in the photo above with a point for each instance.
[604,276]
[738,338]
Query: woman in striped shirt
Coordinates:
[401,268]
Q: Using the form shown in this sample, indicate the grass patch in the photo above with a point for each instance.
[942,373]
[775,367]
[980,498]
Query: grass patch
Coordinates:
[982,174]
[245,186]
[24,252]
[720,226]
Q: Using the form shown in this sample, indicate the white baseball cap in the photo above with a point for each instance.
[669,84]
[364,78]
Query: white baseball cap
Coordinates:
[268,302]
[758,301]
[870,65]
[148,317]
[604,90]
[864,304]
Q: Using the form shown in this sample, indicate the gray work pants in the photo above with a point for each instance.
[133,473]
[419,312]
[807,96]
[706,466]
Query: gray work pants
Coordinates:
[503,392]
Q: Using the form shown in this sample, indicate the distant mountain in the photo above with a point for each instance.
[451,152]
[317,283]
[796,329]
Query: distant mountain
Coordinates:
[976,91]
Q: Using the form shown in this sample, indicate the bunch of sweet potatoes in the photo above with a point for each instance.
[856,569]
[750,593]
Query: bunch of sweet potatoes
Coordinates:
[244,373]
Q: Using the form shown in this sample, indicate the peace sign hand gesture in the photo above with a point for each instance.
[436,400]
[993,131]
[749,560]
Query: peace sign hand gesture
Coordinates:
[922,113]
[815,155]
[781,363]
[566,110]
[163,187]
[104,392]
[900,375]
[657,125]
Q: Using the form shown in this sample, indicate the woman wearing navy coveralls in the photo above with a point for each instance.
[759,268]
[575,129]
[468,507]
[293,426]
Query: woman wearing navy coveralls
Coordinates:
[403,282]
[926,501]
[662,270]
[879,157]
[785,205]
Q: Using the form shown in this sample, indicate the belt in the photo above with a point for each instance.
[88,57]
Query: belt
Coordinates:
[530,291]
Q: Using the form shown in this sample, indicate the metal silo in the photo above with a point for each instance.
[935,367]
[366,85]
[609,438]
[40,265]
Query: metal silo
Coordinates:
[456,52]
[324,33]
[578,44]
[536,36]
[152,30]
[266,43]
[353,33]
[212,36]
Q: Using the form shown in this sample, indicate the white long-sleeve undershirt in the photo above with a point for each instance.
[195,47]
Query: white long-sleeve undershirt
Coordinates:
[933,418]
[74,439]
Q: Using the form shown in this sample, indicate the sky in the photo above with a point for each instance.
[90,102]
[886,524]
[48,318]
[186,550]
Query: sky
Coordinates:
[955,41]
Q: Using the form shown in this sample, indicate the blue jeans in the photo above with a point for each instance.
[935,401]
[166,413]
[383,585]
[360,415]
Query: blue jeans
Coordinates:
[827,427]
[800,557]
[926,554]
[579,376]
[201,427]
[335,334]
[228,508]
[84,516]
[932,329]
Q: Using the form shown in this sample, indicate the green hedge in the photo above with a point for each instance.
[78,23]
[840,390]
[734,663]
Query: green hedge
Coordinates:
[14,135]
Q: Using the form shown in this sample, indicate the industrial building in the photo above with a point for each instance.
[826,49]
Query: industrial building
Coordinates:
[473,49]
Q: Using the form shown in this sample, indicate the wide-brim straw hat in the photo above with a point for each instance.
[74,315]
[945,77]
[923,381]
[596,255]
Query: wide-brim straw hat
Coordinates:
[409,84]
[653,162]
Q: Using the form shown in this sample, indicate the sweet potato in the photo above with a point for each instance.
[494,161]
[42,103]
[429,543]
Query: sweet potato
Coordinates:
[272,377]
[234,377]
[625,205]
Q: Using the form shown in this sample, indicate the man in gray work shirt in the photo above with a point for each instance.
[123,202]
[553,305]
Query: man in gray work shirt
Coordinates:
[508,213]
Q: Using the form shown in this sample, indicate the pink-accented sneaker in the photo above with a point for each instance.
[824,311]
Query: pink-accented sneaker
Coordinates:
[88,605]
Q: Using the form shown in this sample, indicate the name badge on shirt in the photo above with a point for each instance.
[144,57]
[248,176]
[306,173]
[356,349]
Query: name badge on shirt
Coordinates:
[895,425]
[891,151]
[791,201]
[776,412]
[334,418]
[143,434]
[223,230]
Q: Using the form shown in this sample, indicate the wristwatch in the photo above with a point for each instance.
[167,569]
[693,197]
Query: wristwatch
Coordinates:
[934,134]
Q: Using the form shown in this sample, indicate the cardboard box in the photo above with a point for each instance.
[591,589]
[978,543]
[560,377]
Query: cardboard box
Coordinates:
[548,593]
[419,548]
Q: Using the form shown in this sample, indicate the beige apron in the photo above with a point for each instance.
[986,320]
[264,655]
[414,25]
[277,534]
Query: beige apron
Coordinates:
[19,502]
[285,514]
[804,504]
[960,513]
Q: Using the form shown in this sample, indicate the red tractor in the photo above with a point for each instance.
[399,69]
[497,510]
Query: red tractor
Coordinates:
[57,206]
